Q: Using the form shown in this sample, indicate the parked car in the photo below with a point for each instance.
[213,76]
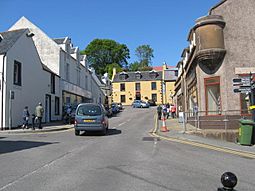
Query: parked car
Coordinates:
[151,102]
[115,108]
[91,117]
[120,106]
[140,104]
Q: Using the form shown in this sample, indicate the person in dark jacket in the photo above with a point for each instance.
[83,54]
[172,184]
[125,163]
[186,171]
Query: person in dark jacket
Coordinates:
[25,117]
[159,111]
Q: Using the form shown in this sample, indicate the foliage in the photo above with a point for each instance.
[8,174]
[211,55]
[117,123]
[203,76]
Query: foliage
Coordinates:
[103,52]
[144,54]
[109,69]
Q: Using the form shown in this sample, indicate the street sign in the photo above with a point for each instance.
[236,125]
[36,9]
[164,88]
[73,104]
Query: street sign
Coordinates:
[244,81]
[242,90]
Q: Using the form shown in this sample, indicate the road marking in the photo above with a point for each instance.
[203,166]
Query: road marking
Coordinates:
[153,133]
[122,123]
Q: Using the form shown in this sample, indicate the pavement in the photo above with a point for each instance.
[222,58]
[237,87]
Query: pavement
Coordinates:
[47,127]
[193,136]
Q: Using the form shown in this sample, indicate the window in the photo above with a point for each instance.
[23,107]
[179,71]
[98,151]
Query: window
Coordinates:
[78,77]
[154,97]
[153,86]
[138,75]
[67,72]
[52,83]
[122,98]
[17,73]
[56,105]
[137,86]
[122,87]
[213,100]
[86,82]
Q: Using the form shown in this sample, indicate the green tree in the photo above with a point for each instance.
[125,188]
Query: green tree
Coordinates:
[144,54]
[103,52]
[109,69]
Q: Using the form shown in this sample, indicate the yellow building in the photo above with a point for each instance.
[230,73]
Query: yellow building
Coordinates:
[144,85]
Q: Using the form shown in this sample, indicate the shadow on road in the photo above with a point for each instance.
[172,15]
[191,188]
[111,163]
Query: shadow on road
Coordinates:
[96,133]
[12,146]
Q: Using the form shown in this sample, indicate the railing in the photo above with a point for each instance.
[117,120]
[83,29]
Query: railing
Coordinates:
[223,121]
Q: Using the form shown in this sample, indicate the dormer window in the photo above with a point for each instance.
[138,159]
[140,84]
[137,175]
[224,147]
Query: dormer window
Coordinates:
[138,75]
[123,75]
[153,74]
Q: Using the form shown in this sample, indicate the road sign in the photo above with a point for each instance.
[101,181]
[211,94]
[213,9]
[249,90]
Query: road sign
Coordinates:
[243,81]
[242,89]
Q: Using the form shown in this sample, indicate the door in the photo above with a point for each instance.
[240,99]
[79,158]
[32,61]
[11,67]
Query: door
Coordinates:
[47,108]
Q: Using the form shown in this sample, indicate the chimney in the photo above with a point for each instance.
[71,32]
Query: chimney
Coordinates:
[113,72]
[164,66]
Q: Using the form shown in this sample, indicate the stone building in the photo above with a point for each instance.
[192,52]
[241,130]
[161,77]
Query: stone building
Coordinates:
[221,46]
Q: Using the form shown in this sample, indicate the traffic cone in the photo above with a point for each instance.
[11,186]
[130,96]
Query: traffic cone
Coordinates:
[164,128]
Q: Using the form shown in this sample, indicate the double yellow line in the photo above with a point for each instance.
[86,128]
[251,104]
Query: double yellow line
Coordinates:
[154,133]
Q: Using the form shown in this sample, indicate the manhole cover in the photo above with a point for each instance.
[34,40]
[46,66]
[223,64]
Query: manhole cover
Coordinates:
[151,139]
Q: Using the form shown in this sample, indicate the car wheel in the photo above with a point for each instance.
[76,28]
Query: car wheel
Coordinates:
[77,132]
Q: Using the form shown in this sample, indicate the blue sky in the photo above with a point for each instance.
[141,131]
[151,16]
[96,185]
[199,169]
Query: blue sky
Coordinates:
[162,24]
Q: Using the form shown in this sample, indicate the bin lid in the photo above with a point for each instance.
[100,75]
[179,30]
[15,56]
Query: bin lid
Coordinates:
[246,122]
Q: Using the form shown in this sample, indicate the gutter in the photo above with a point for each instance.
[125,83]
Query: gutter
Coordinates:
[2,92]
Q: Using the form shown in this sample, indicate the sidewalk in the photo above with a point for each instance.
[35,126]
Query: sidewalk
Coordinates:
[176,131]
[47,127]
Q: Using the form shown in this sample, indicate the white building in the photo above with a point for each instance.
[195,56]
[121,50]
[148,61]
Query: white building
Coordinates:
[52,72]
[25,81]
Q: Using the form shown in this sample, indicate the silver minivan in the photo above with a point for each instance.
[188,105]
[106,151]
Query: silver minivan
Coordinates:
[91,117]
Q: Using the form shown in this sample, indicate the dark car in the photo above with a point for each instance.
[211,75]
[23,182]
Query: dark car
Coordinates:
[91,117]
[115,108]
[151,102]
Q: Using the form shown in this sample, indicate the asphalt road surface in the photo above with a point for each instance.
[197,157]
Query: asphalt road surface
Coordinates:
[126,159]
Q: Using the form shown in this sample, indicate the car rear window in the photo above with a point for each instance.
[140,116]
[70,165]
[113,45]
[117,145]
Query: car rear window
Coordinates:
[90,110]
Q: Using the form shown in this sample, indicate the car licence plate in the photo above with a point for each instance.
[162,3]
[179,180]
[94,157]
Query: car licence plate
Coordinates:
[89,120]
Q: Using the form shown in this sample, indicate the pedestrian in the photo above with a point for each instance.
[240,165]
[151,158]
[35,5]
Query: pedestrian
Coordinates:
[164,111]
[25,117]
[159,111]
[173,111]
[68,112]
[33,121]
[39,114]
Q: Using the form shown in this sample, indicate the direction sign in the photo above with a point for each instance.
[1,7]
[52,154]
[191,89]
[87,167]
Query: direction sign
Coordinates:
[244,81]
[242,90]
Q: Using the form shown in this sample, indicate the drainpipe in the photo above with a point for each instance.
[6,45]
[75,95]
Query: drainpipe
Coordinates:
[2,92]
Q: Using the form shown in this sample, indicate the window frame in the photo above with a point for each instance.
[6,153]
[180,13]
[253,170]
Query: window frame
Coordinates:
[52,83]
[153,88]
[17,80]
[122,87]
[123,96]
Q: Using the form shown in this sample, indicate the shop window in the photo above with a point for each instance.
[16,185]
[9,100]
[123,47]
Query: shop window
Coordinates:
[213,99]
[17,73]
[153,86]
[122,98]
[122,87]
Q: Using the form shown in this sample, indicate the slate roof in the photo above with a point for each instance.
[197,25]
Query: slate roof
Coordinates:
[131,76]
[59,40]
[9,39]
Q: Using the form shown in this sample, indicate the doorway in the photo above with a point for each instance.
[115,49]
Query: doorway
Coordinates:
[47,108]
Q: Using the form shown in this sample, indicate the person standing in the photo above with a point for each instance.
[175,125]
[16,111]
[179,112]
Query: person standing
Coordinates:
[68,112]
[39,114]
[159,111]
[173,111]
[25,117]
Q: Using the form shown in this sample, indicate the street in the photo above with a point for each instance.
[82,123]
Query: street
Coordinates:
[128,158]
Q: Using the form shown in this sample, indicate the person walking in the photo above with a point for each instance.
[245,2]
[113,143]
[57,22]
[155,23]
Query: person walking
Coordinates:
[159,111]
[68,113]
[173,111]
[25,117]
[39,114]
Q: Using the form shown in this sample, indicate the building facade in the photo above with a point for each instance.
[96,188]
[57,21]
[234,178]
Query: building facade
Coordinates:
[36,68]
[219,50]
[144,85]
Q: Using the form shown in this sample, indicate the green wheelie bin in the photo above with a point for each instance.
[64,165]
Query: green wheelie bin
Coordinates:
[245,131]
